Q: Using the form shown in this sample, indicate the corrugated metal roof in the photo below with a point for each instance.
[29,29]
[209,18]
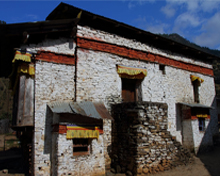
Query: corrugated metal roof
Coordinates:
[95,110]
[196,105]
[88,108]
[60,107]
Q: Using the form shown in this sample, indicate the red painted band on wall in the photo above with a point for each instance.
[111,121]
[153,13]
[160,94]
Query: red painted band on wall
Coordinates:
[140,55]
[56,58]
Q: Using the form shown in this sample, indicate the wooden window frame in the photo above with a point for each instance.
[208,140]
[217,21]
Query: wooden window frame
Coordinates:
[82,145]
[135,86]
[196,85]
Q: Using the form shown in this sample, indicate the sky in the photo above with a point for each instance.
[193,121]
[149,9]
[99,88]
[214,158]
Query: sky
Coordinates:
[196,20]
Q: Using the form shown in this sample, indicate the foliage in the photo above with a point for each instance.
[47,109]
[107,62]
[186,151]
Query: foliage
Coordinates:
[6,100]
[177,38]
[5,115]
[2,22]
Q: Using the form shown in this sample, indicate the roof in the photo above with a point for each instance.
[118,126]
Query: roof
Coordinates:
[95,110]
[61,22]
[66,11]
[196,105]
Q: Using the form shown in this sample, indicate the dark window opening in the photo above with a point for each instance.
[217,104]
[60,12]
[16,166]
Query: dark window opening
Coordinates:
[131,90]
[162,68]
[80,146]
[196,85]
[201,124]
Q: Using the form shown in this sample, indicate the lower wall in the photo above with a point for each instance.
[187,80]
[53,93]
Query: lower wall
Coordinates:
[107,139]
[141,143]
[89,165]
[53,82]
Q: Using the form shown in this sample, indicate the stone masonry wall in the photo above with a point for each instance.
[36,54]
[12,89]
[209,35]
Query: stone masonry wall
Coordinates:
[53,82]
[97,70]
[141,143]
[98,80]
[89,165]
[87,32]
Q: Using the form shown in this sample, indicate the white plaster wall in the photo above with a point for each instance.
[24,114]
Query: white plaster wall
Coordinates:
[53,82]
[201,138]
[89,165]
[59,46]
[188,141]
[88,32]
[99,73]
[98,79]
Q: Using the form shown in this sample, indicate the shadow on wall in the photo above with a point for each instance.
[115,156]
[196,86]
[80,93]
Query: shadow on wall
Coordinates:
[47,137]
[184,126]
[48,131]
[210,131]
[210,154]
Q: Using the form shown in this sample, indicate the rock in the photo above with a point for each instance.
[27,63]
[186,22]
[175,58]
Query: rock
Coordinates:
[139,170]
[145,170]
[118,169]
[123,169]
[113,170]
[129,173]
[5,171]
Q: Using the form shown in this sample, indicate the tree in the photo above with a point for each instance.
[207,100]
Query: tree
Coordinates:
[2,22]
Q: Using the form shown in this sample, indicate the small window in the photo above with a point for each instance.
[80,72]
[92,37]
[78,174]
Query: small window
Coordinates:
[196,85]
[131,90]
[201,124]
[80,147]
[162,69]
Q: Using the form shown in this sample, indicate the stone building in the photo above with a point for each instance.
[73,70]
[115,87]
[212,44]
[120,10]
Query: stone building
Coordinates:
[91,92]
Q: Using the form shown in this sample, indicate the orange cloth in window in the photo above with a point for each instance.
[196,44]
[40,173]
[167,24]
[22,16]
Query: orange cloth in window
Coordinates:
[131,72]
[193,78]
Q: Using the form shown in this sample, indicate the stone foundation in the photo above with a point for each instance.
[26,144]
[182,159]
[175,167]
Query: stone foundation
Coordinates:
[141,143]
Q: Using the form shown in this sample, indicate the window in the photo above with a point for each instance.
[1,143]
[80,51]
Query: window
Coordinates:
[196,85]
[162,69]
[201,124]
[131,90]
[80,147]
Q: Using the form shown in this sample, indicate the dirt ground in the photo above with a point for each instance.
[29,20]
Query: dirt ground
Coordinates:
[205,164]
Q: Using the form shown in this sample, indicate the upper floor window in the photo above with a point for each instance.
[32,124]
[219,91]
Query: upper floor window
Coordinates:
[131,79]
[196,82]
[131,90]
[196,85]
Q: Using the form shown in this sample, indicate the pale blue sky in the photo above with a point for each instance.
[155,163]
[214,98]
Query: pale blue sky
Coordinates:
[195,20]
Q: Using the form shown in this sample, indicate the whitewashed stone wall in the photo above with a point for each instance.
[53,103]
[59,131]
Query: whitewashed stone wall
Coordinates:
[59,46]
[53,82]
[98,79]
[172,87]
[201,138]
[89,165]
[115,39]
[188,134]
[193,138]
